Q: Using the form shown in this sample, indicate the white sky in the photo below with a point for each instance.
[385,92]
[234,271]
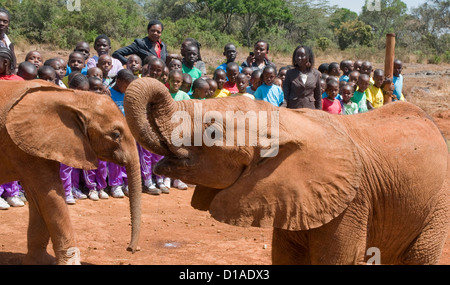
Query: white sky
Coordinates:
[356,5]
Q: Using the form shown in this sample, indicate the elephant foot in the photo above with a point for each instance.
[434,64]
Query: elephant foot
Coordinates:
[41,258]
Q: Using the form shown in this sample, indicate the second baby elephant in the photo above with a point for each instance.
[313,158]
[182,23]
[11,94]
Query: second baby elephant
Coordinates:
[41,126]
[332,187]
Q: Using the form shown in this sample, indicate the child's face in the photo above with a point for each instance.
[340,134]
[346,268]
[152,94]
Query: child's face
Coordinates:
[232,73]
[84,49]
[134,63]
[63,65]
[363,84]
[49,76]
[191,53]
[366,68]
[175,82]
[76,62]
[96,87]
[212,87]
[155,70]
[269,76]
[323,85]
[277,81]
[379,79]
[353,77]
[175,64]
[248,72]
[165,75]
[95,72]
[282,74]
[242,83]
[346,93]
[35,58]
[220,78]
[230,53]
[348,67]
[398,67]
[201,93]
[256,82]
[260,50]
[332,91]
[357,65]
[186,86]
[59,70]
[105,63]
[101,46]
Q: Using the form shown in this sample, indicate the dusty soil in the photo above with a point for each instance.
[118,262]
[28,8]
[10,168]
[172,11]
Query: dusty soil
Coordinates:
[174,233]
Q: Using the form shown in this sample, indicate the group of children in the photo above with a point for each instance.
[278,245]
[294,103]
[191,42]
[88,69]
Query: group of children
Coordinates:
[358,88]
[347,88]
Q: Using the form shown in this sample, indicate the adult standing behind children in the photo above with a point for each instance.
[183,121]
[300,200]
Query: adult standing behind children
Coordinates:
[258,58]
[301,86]
[151,44]
[230,53]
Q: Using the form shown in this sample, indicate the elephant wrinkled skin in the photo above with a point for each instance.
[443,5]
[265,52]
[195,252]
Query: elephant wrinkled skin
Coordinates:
[338,186]
[43,125]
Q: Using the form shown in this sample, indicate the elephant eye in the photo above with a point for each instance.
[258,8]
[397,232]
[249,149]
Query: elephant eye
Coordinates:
[115,135]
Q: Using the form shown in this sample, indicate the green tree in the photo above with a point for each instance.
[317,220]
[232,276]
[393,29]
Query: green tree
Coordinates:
[353,32]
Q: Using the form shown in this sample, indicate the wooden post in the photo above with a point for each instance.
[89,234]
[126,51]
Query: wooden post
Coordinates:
[389,66]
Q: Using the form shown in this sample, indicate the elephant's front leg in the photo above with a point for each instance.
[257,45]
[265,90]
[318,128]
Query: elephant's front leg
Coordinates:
[49,216]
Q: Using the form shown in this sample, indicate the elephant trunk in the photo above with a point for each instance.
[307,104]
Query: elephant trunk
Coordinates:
[135,190]
[148,109]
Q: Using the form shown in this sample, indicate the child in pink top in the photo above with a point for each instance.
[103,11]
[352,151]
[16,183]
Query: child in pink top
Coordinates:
[330,104]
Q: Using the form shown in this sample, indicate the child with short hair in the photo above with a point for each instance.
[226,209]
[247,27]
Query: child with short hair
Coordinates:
[220,77]
[200,89]
[95,72]
[230,53]
[96,85]
[247,71]
[190,58]
[175,64]
[333,69]
[35,58]
[366,68]
[353,76]
[187,84]
[268,91]
[398,80]
[330,104]
[78,81]
[27,70]
[117,177]
[60,70]
[375,96]
[175,81]
[102,45]
[155,68]
[232,72]
[348,106]
[357,65]
[242,84]
[346,66]
[212,87]
[47,73]
[134,63]
[282,73]
[105,64]
[255,82]
[359,96]
[75,63]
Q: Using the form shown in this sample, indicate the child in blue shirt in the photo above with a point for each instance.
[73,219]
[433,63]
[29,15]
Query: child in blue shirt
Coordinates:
[268,91]
[398,81]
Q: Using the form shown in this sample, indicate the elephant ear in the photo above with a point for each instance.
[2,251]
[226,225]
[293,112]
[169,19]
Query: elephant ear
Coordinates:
[311,181]
[46,123]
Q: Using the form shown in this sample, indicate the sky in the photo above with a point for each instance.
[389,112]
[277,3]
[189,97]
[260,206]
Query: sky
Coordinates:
[356,5]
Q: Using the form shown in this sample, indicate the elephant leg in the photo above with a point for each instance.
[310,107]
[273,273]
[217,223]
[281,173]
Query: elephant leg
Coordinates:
[428,245]
[44,185]
[38,238]
[289,248]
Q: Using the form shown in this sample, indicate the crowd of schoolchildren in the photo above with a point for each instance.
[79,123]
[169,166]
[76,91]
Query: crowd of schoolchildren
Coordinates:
[339,88]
